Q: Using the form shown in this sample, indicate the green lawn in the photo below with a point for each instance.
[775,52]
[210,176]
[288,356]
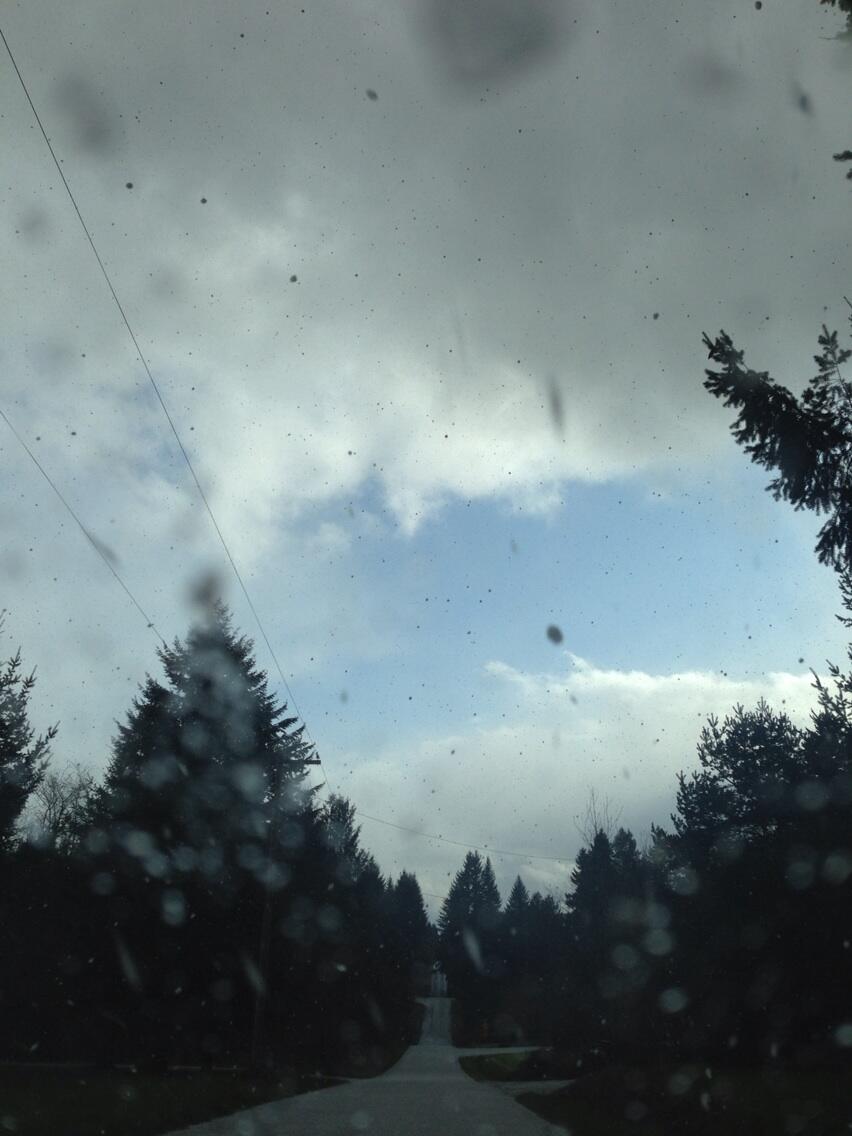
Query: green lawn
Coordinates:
[536,1065]
[50,1102]
[496,1067]
[664,1100]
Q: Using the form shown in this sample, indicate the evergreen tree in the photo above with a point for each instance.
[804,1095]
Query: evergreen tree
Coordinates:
[843,6]
[516,931]
[469,942]
[759,926]
[207,764]
[806,441]
[546,926]
[610,914]
[410,908]
[533,951]
[592,880]
[410,921]
[202,822]
[472,905]
[23,753]
[487,914]
[413,933]
[625,855]
[343,836]
[752,763]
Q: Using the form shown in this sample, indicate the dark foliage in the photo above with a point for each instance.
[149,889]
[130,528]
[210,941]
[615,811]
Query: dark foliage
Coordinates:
[806,441]
[841,5]
[210,909]
[469,943]
[23,754]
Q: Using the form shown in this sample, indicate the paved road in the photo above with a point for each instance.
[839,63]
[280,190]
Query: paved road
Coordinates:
[424,1094]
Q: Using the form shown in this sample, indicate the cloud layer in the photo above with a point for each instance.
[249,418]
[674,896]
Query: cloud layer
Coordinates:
[484,280]
[523,784]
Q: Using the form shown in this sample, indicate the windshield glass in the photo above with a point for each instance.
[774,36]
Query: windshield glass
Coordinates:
[414,709]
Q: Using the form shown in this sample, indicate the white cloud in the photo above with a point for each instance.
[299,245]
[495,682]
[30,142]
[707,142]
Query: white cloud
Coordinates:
[450,263]
[520,786]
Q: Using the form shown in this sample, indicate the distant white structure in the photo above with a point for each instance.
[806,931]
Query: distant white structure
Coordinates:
[439,984]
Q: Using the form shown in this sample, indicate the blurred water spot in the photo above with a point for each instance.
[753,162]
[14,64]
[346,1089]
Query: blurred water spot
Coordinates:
[83,106]
[128,965]
[205,590]
[710,74]
[103,548]
[554,633]
[34,223]
[174,907]
[673,1000]
[488,40]
[471,945]
[12,564]
[557,410]
[803,101]
[252,972]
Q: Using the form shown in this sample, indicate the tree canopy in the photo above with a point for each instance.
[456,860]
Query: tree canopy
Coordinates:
[24,754]
[806,440]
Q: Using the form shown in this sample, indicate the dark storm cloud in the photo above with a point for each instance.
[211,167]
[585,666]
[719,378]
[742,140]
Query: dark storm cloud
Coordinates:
[615,163]
[641,155]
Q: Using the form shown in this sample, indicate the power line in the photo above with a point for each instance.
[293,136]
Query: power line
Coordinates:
[161,401]
[461,843]
[199,487]
[202,494]
[96,544]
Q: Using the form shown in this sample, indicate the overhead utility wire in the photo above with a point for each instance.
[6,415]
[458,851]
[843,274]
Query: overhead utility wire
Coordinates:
[462,843]
[160,398]
[96,545]
[204,498]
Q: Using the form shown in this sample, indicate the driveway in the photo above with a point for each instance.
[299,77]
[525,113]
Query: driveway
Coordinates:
[424,1094]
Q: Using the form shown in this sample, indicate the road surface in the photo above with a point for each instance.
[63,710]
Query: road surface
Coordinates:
[424,1094]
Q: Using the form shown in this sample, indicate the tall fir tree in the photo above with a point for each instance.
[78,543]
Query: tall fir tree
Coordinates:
[516,930]
[410,914]
[202,820]
[24,754]
[469,942]
[805,441]
[208,763]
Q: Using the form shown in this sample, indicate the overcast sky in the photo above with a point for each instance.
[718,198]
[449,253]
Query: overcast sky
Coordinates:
[423,285]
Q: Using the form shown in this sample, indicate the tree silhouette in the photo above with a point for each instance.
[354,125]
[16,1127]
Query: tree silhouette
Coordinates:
[412,931]
[751,766]
[202,820]
[469,940]
[843,6]
[806,441]
[23,753]
[516,930]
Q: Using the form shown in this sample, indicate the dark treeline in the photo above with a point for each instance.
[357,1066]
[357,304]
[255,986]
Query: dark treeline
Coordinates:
[729,937]
[199,905]
[729,934]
